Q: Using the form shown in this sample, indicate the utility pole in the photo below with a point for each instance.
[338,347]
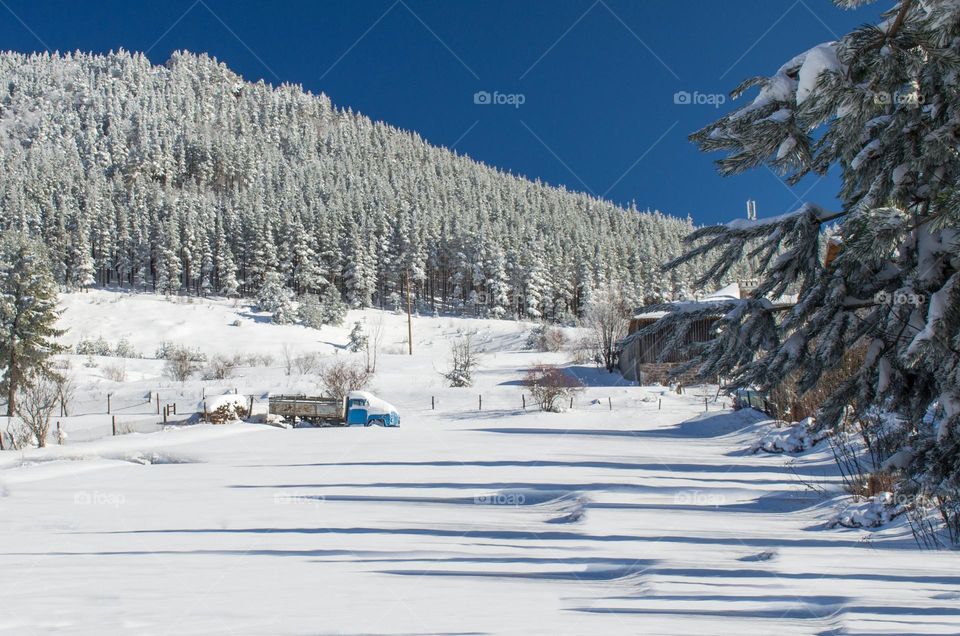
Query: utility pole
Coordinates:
[409,317]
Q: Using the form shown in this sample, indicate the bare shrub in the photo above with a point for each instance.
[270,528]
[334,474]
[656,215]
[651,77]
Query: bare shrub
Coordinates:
[220,367]
[66,385]
[546,338]
[286,357]
[115,372]
[19,434]
[306,363]
[373,343]
[606,315]
[584,351]
[35,403]
[549,385]
[180,363]
[342,376]
[789,404]
[463,360]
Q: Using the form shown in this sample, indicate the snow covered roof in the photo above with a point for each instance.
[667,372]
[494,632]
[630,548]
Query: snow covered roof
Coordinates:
[730,292]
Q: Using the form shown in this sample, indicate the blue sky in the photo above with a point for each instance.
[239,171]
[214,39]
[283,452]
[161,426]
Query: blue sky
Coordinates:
[596,78]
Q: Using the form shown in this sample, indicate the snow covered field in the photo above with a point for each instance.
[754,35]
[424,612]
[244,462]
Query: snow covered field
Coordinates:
[638,519]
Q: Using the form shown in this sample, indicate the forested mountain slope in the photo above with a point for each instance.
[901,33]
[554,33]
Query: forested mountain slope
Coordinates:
[183,177]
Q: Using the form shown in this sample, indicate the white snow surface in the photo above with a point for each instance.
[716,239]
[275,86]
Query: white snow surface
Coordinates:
[651,517]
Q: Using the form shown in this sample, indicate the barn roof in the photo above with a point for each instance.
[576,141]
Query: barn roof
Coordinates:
[730,292]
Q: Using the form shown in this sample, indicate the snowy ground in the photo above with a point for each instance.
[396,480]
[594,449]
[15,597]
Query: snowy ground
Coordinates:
[637,520]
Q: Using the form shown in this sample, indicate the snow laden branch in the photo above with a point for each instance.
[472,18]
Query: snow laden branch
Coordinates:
[877,281]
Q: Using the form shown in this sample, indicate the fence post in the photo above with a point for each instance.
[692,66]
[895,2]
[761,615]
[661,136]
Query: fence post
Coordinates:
[571,402]
[706,408]
[480,408]
[433,403]
[158,402]
[659,404]
[204,410]
[610,402]
[165,409]
[249,412]
[108,403]
[174,408]
[524,398]
[113,423]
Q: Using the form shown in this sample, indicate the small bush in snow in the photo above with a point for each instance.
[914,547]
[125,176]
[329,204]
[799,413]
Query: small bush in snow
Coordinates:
[34,406]
[306,363]
[463,360]
[546,338]
[358,339]
[181,363]
[342,376]
[550,386]
[115,372]
[790,438]
[220,367]
[125,350]
[98,347]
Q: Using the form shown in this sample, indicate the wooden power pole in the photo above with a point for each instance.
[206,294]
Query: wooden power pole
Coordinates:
[409,317]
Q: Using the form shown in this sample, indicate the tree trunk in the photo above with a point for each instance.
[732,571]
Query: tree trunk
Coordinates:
[12,382]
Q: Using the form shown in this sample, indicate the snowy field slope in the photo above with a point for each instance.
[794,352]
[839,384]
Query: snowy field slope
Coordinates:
[637,519]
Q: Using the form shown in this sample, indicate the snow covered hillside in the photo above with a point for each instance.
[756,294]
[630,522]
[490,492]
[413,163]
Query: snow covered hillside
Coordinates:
[634,512]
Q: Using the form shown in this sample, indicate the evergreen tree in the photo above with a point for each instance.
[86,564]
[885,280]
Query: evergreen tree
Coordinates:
[28,314]
[881,104]
[276,298]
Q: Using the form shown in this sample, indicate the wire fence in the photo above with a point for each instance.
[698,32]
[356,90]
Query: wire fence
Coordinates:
[106,415]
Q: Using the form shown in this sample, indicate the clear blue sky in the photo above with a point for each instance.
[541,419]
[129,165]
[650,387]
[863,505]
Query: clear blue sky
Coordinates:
[597,78]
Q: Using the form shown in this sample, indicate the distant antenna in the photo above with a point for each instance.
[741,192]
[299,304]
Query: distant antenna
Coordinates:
[751,210]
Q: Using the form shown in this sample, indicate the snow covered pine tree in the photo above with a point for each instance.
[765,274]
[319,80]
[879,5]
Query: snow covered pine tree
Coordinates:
[28,314]
[882,104]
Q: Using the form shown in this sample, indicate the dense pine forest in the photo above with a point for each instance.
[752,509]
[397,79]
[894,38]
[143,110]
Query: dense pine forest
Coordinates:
[184,178]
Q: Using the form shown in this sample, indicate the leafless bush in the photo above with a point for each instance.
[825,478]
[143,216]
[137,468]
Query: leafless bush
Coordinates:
[115,372]
[463,360]
[220,367]
[606,315]
[35,405]
[306,363]
[66,385]
[373,343]
[584,351]
[549,385]
[286,357]
[18,434]
[546,338]
[789,404]
[180,363]
[342,376]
